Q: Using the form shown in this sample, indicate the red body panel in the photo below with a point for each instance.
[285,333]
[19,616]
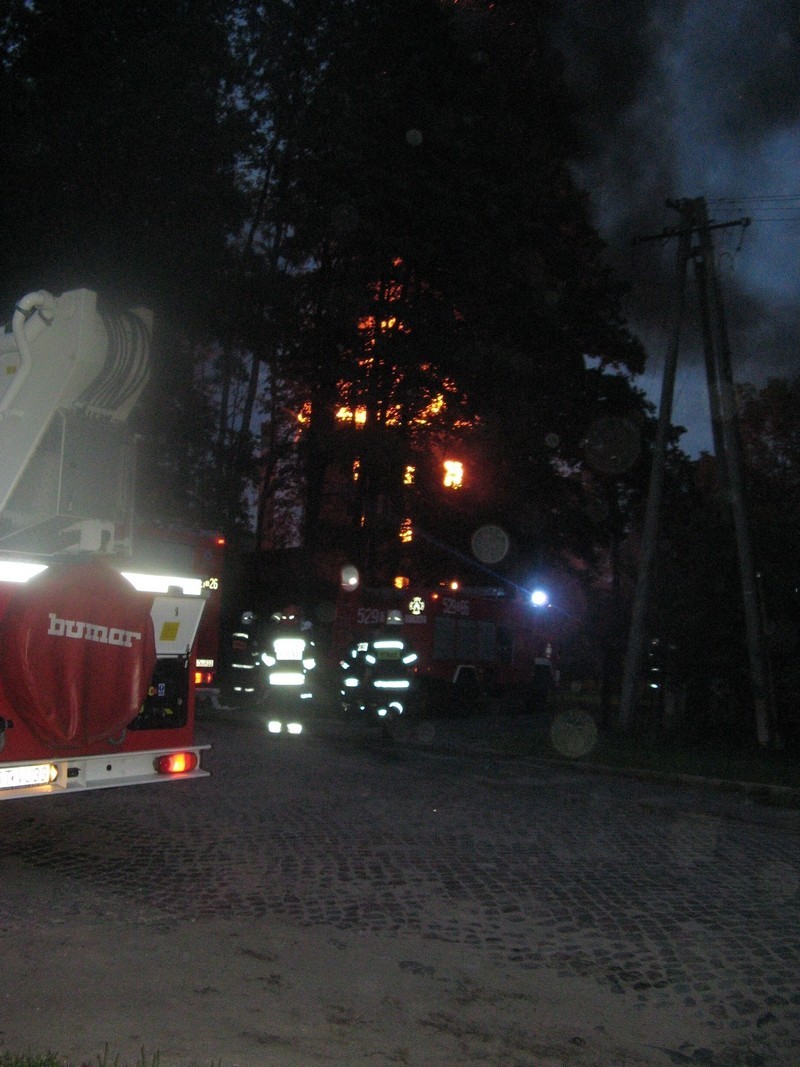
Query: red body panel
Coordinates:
[62,696]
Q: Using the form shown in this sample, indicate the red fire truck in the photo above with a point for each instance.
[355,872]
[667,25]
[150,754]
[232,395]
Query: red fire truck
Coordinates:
[471,641]
[97,648]
[199,556]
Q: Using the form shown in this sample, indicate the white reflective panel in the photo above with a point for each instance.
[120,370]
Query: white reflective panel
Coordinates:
[393,683]
[287,678]
[162,583]
[387,644]
[274,726]
[289,647]
[11,571]
[351,683]
[294,727]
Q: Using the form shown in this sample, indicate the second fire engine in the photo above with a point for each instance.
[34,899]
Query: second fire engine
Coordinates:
[470,642]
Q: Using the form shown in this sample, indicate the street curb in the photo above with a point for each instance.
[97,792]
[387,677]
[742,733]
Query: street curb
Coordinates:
[761,793]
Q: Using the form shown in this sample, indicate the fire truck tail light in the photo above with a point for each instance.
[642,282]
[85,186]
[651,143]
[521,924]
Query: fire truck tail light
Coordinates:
[177,763]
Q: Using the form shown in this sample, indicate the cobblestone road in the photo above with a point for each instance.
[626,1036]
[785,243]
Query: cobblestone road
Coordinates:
[668,901]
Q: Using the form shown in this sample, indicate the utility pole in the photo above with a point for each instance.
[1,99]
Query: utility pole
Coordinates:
[635,648]
[694,224]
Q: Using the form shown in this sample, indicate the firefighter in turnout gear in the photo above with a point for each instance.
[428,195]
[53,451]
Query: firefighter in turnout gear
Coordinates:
[379,673]
[289,659]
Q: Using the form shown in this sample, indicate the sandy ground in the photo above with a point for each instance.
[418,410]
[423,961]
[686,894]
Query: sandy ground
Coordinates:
[270,995]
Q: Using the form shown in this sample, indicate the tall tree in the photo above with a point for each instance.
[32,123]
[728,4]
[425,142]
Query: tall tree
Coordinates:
[446,242]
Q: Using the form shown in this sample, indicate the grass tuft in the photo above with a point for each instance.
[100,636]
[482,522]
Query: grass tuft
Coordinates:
[50,1059]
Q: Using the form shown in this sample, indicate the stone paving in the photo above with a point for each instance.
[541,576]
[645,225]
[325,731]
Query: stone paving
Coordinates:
[670,898]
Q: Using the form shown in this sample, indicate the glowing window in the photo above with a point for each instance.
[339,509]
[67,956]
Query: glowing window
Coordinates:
[409,475]
[406,531]
[453,474]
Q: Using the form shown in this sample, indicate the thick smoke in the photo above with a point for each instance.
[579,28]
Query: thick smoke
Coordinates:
[688,98]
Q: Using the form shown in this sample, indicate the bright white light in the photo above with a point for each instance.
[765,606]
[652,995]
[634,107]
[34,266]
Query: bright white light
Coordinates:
[162,583]
[539,598]
[294,727]
[29,774]
[19,572]
[349,577]
[274,726]
[387,683]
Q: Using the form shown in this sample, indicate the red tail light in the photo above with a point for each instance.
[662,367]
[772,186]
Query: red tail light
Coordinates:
[177,763]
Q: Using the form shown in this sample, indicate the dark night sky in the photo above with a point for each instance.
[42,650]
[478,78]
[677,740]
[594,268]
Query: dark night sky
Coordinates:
[690,98]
